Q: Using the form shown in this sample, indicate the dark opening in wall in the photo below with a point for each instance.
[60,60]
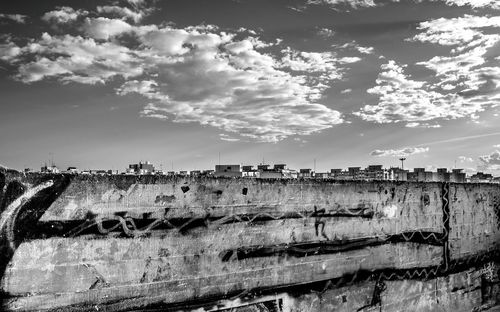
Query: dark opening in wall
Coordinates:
[244,191]
[184,188]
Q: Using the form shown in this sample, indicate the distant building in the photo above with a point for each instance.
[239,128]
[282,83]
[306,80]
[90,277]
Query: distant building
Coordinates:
[398,174]
[98,171]
[72,170]
[49,169]
[227,171]
[141,168]
[249,172]
[207,172]
[270,174]
[420,175]
[306,173]
[262,167]
[481,177]
[375,172]
[321,175]
[335,172]
[195,173]
[443,175]
[457,176]
[280,167]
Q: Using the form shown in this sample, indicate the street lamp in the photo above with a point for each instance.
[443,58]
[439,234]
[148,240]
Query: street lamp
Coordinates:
[402,162]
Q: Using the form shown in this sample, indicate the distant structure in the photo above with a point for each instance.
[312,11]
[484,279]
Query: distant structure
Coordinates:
[141,168]
[228,171]
[49,169]
[306,173]
[280,170]
[481,177]
[72,170]
[262,171]
[376,172]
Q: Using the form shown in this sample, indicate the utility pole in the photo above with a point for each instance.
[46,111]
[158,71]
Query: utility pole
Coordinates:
[314,164]
[402,162]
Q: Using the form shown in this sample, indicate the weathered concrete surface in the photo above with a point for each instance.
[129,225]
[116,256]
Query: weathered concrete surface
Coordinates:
[122,242]
[474,219]
[456,292]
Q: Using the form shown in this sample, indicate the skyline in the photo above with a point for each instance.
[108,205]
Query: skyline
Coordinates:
[350,83]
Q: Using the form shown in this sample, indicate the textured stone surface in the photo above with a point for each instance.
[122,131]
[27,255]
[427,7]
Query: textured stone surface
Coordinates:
[208,239]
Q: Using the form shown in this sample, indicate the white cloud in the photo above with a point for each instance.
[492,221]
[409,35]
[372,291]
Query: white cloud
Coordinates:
[346,91]
[144,87]
[496,146]
[468,79]
[354,46]
[494,4]
[83,60]
[349,59]
[406,151]
[18,18]
[465,159]
[225,137]
[421,125]
[192,74]
[104,28]
[365,50]
[455,31]
[9,51]
[326,33]
[402,99]
[123,12]
[359,4]
[344,3]
[321,67]
[490,162]
[63,15]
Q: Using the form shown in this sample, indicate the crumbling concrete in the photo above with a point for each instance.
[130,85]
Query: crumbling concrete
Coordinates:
[130,242]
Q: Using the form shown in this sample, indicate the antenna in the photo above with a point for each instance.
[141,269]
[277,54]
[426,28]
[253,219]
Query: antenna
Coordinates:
[219,158]
[402,162]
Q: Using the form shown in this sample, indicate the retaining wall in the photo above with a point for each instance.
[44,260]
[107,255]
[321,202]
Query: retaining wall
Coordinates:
[127,242]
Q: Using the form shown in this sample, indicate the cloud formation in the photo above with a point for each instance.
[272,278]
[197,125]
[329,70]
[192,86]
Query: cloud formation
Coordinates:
[490,162]
[475,3]
[63,15]
[360,4]
[403,152]
[194,74]
[18,18]
[465,159]
[344,3]
[468,79]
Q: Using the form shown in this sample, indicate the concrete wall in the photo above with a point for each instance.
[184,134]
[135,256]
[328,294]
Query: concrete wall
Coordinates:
[205,239]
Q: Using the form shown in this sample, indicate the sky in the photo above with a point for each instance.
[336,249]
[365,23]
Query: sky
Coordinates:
[188,84]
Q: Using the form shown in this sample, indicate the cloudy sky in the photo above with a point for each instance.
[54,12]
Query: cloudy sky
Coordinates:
[100,84]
